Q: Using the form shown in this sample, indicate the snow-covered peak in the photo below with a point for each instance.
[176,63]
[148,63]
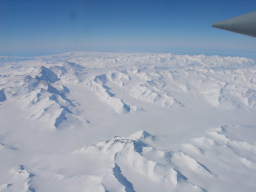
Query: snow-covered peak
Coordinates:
[47,75]
[142,135]
[66,122]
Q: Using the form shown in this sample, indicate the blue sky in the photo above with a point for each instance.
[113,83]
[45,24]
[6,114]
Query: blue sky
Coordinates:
[33,27]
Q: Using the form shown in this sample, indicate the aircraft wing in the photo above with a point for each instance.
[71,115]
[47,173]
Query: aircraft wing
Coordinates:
[244,24]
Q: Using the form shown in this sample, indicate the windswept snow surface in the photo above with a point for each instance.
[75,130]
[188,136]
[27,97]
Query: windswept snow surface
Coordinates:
[111,122]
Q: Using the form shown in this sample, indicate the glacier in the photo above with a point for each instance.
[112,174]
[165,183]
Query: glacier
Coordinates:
[127,122]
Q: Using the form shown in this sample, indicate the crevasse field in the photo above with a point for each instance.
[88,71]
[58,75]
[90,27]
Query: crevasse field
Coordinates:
[115,122]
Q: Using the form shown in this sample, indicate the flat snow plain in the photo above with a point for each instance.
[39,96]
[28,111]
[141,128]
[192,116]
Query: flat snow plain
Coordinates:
[116,122]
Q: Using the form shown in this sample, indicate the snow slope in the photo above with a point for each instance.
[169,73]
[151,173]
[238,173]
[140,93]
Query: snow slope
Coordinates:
[115,122]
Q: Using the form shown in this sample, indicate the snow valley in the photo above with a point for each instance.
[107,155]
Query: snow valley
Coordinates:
[112,122]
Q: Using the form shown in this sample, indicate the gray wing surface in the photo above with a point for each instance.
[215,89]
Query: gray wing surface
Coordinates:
[244,24]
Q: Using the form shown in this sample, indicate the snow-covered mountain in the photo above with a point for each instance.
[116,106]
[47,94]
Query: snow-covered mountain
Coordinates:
[115,122]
